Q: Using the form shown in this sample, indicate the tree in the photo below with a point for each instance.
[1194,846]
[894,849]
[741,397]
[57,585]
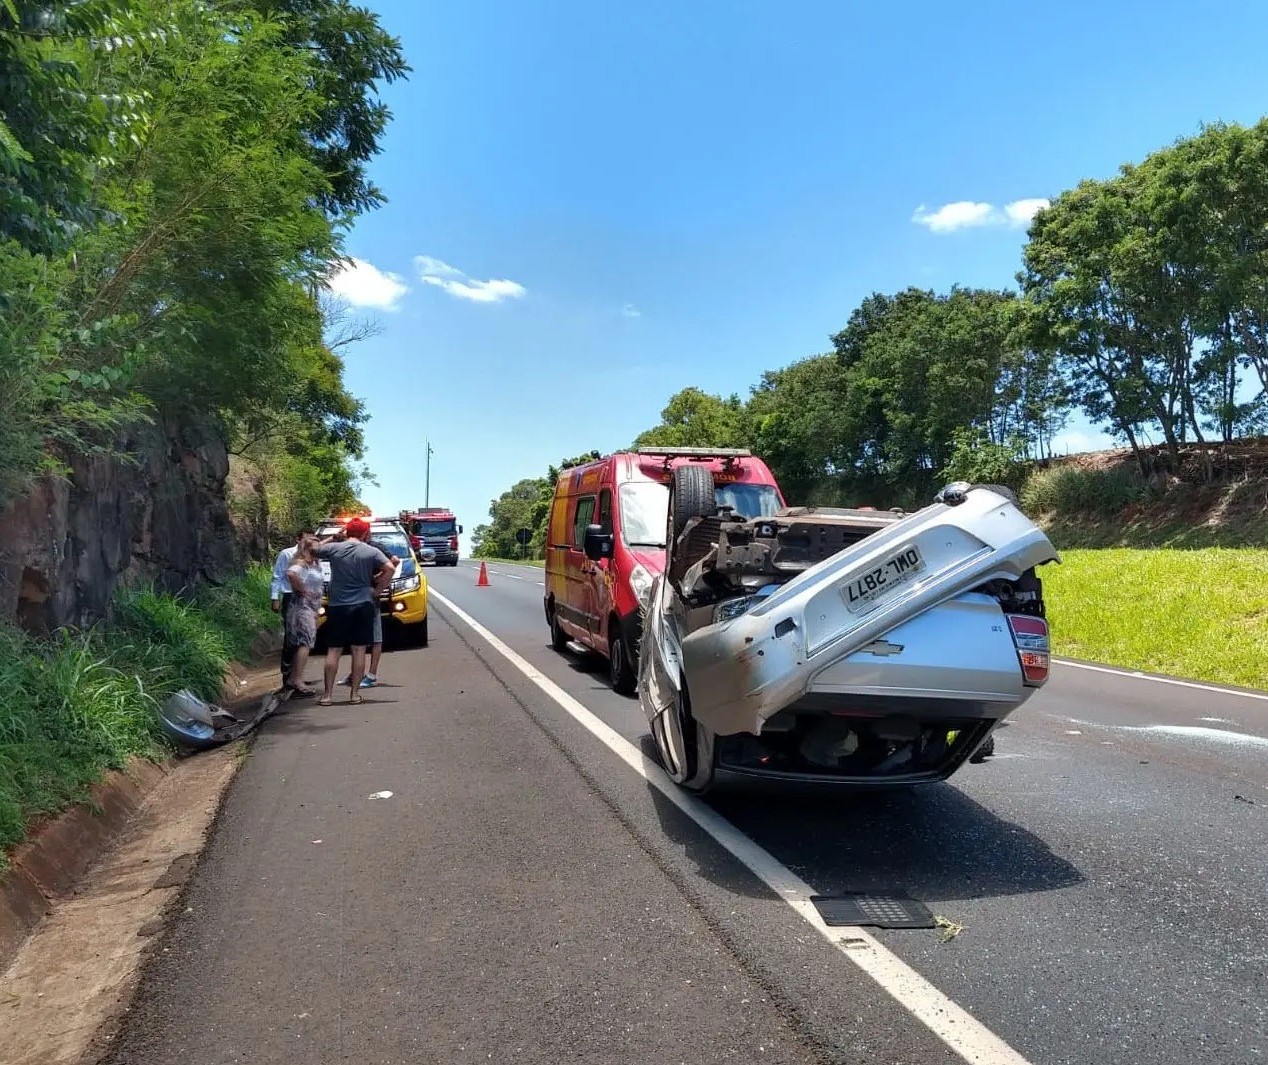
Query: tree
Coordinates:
[175,180]
[510,512]
[351,54]
[693,418]
[1151,290]
[804,432]
[62,114]
[916,367]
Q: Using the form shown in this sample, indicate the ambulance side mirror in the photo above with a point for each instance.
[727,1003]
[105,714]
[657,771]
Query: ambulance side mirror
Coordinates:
[598,544]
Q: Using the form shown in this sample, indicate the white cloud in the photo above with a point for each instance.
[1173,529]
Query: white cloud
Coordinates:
[963,214]
[452,280]
[1020,212]
[969,214]
[630,311]
[363,284]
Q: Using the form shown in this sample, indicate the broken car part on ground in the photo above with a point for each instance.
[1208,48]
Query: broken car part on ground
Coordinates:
[854,646]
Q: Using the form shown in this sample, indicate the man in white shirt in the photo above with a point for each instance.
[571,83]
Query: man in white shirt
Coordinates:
[280,593]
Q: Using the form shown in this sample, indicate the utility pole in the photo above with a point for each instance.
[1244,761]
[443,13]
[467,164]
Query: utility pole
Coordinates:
[427,483]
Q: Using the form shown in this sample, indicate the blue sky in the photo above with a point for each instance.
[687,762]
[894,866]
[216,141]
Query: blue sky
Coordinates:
[593,205]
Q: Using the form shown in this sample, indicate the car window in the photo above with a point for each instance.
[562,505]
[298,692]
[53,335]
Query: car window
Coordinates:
[582,520]
[605,511]
[391,542]
[434,528]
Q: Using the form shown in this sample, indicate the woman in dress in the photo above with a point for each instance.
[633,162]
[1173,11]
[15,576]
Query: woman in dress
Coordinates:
[306,582]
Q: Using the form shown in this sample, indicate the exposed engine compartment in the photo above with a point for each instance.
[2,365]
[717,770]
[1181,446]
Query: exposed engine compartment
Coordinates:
[723,555]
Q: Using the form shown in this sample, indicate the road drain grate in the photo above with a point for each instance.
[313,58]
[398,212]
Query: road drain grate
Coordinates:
[890,910]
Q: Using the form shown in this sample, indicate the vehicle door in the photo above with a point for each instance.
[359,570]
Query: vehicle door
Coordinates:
[580,611]
[603,573]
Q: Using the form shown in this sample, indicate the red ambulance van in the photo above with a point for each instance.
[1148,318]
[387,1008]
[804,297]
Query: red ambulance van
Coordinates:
[622,503]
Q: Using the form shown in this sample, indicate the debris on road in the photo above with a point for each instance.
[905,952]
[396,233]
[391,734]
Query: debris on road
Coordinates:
[949,929]
[381,795]
[197,725]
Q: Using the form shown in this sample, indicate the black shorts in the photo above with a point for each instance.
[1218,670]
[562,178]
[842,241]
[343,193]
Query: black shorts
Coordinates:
[351,626]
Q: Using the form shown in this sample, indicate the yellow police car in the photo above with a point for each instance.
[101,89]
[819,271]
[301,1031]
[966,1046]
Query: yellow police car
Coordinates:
[404,604]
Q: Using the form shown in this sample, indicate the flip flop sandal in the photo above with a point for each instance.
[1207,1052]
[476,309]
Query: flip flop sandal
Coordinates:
[305,692]
[356,700]
[325,700]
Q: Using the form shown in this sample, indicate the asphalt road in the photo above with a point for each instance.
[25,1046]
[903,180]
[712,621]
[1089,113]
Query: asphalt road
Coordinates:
[525,895]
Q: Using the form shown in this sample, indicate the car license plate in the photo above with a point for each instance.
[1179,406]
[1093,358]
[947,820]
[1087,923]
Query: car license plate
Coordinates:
[866,591]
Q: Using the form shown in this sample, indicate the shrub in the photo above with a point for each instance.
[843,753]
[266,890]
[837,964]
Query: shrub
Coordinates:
[1067,489]
[72,710]
[84,702]
[979,460]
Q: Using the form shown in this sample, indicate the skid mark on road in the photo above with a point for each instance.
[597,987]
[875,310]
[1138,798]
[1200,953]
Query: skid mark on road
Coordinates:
[950,1022]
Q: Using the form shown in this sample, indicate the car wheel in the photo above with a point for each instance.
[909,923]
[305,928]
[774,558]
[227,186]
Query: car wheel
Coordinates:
[685,746]
[558,638]
[421,637]
[693,496]
[621,674]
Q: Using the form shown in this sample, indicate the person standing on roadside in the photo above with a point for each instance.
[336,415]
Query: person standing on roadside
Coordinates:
[359,573]
[371,678]
[280,594]
[306,582]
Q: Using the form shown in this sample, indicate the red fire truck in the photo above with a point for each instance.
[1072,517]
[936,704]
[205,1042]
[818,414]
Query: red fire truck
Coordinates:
[435,528]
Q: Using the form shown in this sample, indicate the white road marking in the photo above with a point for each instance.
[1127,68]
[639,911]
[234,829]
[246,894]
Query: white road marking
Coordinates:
[515,577]
[1262,696]
[951,1023]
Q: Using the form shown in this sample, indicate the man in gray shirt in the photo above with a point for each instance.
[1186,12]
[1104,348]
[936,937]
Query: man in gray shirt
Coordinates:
[358,574]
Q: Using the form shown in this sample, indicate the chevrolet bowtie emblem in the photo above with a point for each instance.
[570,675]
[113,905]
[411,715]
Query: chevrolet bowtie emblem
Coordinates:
[883,648]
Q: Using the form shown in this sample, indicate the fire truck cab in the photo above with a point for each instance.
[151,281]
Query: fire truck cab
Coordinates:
[436,529]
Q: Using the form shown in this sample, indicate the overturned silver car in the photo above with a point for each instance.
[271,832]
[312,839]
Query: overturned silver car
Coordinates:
[853,646]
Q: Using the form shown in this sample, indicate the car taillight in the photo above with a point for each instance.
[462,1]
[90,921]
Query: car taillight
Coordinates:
[1030,636]
[453,543]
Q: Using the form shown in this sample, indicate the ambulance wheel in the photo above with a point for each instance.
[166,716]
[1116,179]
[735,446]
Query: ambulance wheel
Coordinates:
[558,638]
[621,673]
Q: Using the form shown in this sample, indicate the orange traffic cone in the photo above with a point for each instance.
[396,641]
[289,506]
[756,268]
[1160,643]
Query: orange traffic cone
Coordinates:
[483,582]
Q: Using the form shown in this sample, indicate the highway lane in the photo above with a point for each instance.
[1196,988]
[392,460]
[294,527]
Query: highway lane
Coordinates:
[427,878]
[1107,865]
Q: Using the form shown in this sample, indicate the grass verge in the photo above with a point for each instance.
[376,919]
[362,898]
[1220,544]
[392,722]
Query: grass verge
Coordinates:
[82,703]
[1197,614]
[536,563]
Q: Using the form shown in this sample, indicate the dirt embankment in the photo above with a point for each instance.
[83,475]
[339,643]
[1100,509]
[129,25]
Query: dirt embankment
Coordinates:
[1211,495]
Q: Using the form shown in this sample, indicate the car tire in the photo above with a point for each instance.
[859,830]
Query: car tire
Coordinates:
[621,673]
[692,495]
[421,637]
[678,728]
[558,638]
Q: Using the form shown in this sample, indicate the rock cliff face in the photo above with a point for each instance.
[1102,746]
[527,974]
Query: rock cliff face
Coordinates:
[69,544]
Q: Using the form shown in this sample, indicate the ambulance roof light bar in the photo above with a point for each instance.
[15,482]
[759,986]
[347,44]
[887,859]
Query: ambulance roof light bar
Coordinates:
[729,454]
